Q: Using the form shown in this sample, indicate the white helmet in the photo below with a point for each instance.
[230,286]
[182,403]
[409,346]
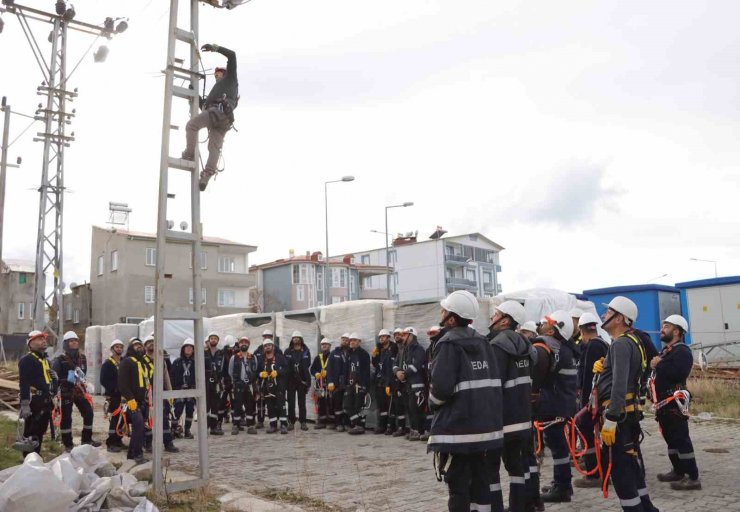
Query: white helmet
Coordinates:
[325,341]
[462,303]
[588,318]
[135,339]
[410,330]
[624,307]
[116,342]
[678,321]
[70,335]
[513,309]
[267,332]
[529,326]
[384,332]
[563,323]
[345,335]
[149,338]
[397,330]
[34,334]
[354,336]
[213,333]
[188,341]
[576,313]
[229,340]
[268,341]
[296,334]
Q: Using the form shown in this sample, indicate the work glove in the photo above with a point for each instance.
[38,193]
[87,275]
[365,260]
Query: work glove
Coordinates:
[609,432]
[209,48]
[132,405]
[25,411]
[263,375]
[599,366]
[273,374]
[331,387]
[375,352]
[387,391]
[323,373]
[318,375]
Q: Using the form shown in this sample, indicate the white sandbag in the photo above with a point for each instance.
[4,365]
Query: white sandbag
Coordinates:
[67,474]
[93,356]
[94,499]
[20,492]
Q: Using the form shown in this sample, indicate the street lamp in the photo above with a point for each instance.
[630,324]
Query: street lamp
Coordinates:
[387,260]
[707,261]
[326,218]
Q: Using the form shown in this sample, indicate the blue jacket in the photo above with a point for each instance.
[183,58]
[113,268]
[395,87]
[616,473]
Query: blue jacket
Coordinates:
[299,362]
[358,368]
[671,373]
[337,369]
[31,376]
[383,363]
[558,392]
[109,377]
[590,352]
[412,360]
[465,394]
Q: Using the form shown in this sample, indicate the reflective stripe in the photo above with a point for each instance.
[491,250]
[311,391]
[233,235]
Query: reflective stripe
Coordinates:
[466,438]
[272,419]
[642,492]
[477,507]
[430,416]
[477,384]
[86,427]
[382,414]
[111,431]
[495,487]
[631,502]
[65,431]
[412,367]
[354,416]
[534,469]
[516,480]
[417,386]
[686,456]
[518,381]
[559,462]
[590,451]
[517,427]
[435,400]
[249,417]
[672,451]
[526,475]
[568,371]
[212,415]
[401,418]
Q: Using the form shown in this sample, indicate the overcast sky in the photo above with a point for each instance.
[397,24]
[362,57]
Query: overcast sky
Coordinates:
[596,141]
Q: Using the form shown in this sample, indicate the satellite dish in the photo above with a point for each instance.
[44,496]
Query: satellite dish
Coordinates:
[184,225]
[170,224]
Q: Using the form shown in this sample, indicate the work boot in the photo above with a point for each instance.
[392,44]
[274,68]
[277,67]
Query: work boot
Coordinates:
[400,432]
[188,156]
[538,505]
[379,430]
[93,443]
[272,429]
[260,424]
[188,435]
[171,448]
[671,476]
[553,484]
[234,429]
[148,448]
[424,437]
[205,176]
[113,448]
[356,430]
[556,494]
[389,431]
[319,426]
[304,426]
[215,431]
[68,447]
[340,428]
[251,430]
[687,484]
[332,426]
[141,460]
[587,482]
[413,435]
[283,429]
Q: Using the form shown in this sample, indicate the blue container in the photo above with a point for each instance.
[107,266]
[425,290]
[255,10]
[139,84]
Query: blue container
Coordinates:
[654,303]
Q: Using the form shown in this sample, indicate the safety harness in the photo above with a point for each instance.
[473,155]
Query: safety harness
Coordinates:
[681,397]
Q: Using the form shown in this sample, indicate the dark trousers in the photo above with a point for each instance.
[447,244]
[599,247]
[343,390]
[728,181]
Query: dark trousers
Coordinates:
[416,416]
[244,405]
[554,438]
[383,402]
[136,426]
[36,424]
[187,405]
[628,477]
[532,471]
[354,400]
[212,404]
[586,425]
[337,400]
[166,424]
[113,439]
[399,408]
[493,465]
[514,462]
[224,404]
[325,411]
[467,481]
[297,390]
[675,429]
[276,410]
[86,411]
[144,409]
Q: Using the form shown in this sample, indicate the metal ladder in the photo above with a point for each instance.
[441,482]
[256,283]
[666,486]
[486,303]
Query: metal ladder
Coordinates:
[177,70]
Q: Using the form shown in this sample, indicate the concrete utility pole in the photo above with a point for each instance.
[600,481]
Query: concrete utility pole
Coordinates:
[3,169]
[387,250]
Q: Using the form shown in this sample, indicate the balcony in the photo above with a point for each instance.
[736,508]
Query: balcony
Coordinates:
[460,283]
[487,287]
[457,259]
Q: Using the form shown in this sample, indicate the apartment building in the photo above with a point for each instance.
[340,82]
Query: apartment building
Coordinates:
[17,283]
[122,270]
[78,308]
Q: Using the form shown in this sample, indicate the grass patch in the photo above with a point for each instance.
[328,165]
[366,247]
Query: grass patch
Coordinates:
[292,497]
[721,397]
[201,500]
[10,457]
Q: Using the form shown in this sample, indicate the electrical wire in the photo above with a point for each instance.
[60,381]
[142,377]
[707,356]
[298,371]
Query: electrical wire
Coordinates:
[22,115]
[24,131]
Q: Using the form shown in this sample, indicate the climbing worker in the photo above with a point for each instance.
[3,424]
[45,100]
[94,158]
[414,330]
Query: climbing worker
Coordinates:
[109,381]
[514,357]
[336,376]
[38,383]
[183,377]
[357,377]
[217,114]
[671,399]
[272,369]
[593,348]
[465,395]
[133,381]
[617,389]
[319,371]
[409,369]
[557,405]
[243,371]
[382,360]
[298,358]
[71,366]
[216,366]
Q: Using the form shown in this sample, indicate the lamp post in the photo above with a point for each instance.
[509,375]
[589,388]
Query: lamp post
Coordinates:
[326,218]
[707,261]
[387,260]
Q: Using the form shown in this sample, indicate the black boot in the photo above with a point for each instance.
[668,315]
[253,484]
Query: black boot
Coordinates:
[671,476]
[556,494]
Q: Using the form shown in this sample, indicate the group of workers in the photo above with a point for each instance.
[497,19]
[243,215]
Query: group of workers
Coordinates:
[477,400]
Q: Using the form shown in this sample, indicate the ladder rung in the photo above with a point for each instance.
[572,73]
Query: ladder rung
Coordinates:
[179,163]
[180,235]
[172,314]
[182,92]
[184,35]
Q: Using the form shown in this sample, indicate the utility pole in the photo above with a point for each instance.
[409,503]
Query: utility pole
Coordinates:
[49,250]
[3,169]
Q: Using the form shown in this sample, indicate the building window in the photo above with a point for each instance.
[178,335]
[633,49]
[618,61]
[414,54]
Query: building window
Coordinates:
[302,273]
[367,283]
[101,265]
[227,264]
[470,274]
[339,278]
[68,311]
[352,282]
[21,310]
[392,258]
[22,278]
[487,278]
[299,293]
[202,295]
[76,319]
[226,298]
[320,281]
[203,260]
[151,256]
[149,294]
[114,261]
[365,258]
